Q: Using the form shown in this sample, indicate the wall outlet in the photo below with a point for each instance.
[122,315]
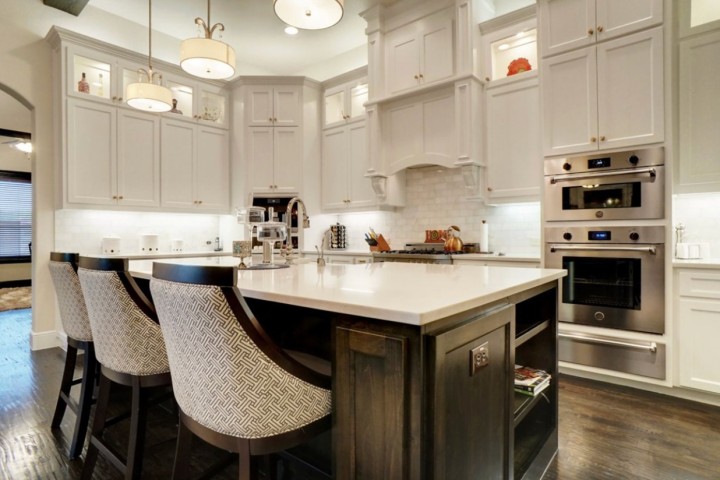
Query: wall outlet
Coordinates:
[479,358]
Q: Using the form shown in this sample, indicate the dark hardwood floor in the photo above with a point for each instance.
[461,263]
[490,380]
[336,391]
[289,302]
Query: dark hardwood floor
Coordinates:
[606,431]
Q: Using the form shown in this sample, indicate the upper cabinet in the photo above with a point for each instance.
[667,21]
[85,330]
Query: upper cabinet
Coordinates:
[509,47]
[609,94]
[206,104]
[273,106]
[420,53]
[345,103]
[570,24]
[98,76]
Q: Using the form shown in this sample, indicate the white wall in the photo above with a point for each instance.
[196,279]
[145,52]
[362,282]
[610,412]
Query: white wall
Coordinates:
[435,201]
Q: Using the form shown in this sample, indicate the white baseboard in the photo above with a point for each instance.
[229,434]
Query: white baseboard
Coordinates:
[44,340]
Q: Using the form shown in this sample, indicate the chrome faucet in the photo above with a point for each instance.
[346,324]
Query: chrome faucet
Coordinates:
[288,221]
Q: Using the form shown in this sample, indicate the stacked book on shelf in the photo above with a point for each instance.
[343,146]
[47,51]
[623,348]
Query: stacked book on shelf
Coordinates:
[530,381]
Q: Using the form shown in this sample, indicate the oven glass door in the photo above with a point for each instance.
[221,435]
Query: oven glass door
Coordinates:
[603,282]
[595,196]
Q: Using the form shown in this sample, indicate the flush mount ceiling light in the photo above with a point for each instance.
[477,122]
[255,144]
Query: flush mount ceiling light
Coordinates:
[149,94]
[309,14]
[205,57]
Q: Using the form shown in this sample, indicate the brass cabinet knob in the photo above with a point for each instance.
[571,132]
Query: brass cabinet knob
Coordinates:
[120,197]
[489,189]
[200,202]
[487,79]
[600,28]
[270,119]
[114,197]
[119,99]
[114,98]
[602,138]
[593,139]
[590,32]
[421,76]
[416,77]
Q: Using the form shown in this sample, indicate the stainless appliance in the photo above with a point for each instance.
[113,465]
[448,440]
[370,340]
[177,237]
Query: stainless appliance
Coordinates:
[416,253]
[615,275]
[615,280]
[616,186]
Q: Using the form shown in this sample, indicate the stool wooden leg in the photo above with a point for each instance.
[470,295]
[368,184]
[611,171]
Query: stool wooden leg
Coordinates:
[245,470]
[98,426]
[65,385]
[87,388]
[182,453]
[138,417]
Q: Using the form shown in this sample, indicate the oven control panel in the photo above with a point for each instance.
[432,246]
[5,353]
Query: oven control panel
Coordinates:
[626,235]
[646,157]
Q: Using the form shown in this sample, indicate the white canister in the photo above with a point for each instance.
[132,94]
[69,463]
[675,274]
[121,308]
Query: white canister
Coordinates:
[111,245]
[176,245]
[149,243]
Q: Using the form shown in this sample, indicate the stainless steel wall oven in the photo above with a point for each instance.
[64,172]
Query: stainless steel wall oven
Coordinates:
[616,186]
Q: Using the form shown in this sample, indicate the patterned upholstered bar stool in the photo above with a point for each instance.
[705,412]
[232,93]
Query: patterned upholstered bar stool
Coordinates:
[235,387]
[74,318]
[131,352]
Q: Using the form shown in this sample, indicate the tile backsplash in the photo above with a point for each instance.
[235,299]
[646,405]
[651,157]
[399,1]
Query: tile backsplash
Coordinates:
[435,200]
[700,214]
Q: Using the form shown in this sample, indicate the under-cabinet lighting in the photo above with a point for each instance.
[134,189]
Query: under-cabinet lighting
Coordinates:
[504,46]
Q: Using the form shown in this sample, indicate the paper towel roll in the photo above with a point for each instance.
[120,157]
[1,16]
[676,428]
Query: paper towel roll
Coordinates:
[484,245]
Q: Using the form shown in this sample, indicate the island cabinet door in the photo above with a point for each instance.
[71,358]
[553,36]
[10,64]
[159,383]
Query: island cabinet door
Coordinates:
[469,407]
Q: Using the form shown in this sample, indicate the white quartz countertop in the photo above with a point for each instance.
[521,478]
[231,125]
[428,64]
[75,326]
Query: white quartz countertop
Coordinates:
[150,256]
[702,263]
[496,257]
[415,294]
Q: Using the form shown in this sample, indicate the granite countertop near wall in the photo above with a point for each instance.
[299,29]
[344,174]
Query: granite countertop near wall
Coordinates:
[710,263]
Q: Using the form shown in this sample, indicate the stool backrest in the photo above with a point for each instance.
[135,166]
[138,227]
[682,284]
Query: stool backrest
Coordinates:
[227,374]
[73,312]
[124,324]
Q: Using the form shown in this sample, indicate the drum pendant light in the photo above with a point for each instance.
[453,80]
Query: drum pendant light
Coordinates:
[309,14]
[149,95]
[205,57]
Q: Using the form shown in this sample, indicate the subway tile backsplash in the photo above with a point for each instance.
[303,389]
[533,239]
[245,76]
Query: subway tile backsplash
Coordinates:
[701,217]
[435,200]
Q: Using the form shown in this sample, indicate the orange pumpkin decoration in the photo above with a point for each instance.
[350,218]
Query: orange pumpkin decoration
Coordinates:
[519,65]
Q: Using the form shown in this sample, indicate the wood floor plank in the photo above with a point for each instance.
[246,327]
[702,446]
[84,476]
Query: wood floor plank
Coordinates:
[607,432]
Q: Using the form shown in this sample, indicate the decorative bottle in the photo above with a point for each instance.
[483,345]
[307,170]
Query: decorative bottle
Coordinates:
[83,85]
[101,86]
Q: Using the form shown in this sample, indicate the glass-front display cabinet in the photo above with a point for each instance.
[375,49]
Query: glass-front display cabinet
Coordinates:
[509,49]
[345,102]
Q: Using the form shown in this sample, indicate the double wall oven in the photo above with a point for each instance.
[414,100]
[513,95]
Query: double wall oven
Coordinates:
[615,271]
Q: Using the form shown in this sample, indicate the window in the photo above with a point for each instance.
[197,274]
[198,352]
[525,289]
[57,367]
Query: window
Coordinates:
[15,216]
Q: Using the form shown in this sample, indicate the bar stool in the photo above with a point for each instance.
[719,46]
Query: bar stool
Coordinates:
[130,348]
[74,318]
[235,388]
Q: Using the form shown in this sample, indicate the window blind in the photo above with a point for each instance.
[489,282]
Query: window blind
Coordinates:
[15,216]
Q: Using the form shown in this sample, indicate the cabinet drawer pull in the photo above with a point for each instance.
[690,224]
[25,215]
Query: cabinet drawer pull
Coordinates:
[600,28]
[590,32]
[593,139]
[650,347]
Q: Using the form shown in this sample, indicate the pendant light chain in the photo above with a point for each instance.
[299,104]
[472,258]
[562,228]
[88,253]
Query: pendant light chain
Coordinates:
[150,39]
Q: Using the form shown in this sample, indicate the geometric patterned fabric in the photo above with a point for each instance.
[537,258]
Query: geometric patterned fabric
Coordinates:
[126,340]
[73,313]
[220,377]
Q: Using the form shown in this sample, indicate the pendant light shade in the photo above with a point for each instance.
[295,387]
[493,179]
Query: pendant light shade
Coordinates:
[148,93]
[309,14]
[205,57]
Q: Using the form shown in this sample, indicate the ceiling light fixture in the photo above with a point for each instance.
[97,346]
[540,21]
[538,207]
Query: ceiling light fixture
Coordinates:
[309,14]
[147,94]
[205,57]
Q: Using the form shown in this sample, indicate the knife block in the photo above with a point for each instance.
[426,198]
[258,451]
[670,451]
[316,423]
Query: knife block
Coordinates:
[382,245]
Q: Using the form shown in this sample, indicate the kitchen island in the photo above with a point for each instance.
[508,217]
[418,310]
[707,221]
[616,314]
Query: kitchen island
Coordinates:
[423,359]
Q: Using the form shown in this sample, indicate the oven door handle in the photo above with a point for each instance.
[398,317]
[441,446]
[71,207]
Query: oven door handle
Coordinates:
[580,176]
[651,347]
[650,249]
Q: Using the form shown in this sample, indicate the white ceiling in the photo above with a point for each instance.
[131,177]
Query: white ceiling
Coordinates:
[252,29]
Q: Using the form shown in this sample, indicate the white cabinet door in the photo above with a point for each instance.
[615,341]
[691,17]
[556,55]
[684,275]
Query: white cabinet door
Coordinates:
[698,325]
[260,148]
[287,172]
[402,132]
[514,151]
[259,106]
[620,17]
[438,129]
[212,169]
[286,106]
[566,25]
[436,61]
[138,161]
[360,192]
[569,92]
[335,168]
[177,158]
[403,59]
[273,105]
[91,153]
[699,114]
[630,90]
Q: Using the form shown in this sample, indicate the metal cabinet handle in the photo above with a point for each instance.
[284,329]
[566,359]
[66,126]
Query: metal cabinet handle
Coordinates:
[602,138]
[200,202]
[574,176]
[114,197]
[120,99]
[421,76]
[650,347]
[120,197]
[590,32]
[593,139]
[555,248]
[417,77]
[114,98]
[274,120]
[600,28]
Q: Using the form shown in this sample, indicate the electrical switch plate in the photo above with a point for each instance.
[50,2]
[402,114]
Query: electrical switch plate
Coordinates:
[479,358]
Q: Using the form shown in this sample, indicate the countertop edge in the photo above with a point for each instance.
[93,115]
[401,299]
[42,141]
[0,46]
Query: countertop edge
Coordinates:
[713,263]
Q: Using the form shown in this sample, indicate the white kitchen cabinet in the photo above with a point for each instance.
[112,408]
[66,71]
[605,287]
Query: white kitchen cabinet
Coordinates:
[345,103]
[605,96]
[195,167]
[113,155]
[198,101]
[506,40]
[420,53]
[344,164]
[699,142]
[514,142]
[420,130]
[698,328]
[570,24]
[276,105]
[275,159]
